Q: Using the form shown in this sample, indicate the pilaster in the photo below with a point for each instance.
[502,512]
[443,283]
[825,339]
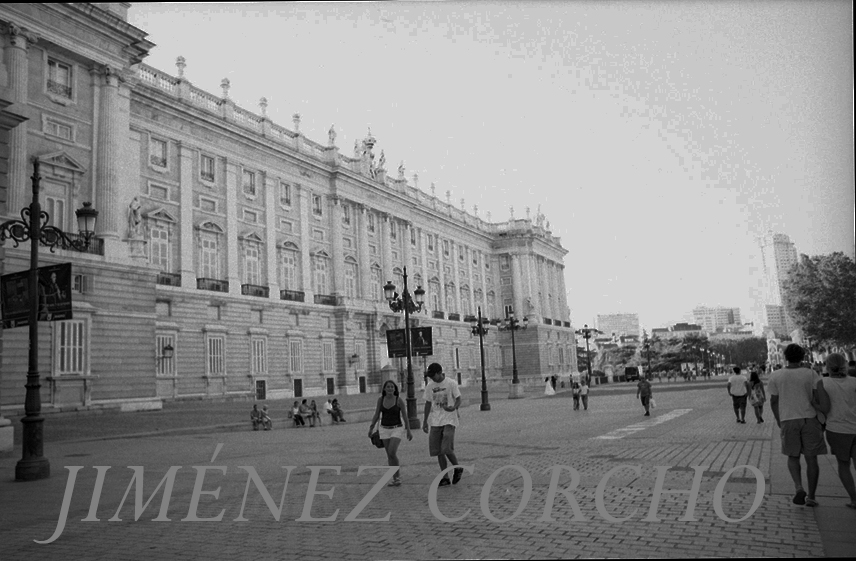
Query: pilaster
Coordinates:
[107,169]
[232,260]
[386,246]
[186,266]
[517,284]
[305,258]
[270,235]
[19,41]
[365,291]
[338,260]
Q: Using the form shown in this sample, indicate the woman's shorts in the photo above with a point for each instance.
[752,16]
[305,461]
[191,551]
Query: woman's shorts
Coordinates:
[397,432]
[843,445]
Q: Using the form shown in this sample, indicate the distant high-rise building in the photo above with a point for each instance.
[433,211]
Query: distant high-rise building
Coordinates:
[778,255]
[619,324]
[713,319]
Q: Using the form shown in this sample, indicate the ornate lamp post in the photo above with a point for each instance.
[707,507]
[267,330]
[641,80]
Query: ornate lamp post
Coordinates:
[33,227]
[409,305]
[586,332]
[513,324]
[479,328]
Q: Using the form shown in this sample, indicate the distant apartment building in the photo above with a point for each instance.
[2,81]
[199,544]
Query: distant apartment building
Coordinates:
[717,318]
[778,255]
[619,324]
[679,330]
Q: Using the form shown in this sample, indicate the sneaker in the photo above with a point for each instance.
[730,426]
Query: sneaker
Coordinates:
[395,482]
[646,414]
[811,502]
[456,476]
[444,482]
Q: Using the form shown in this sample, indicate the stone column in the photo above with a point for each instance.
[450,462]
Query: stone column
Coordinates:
[468,255]
[303,195]
[18,71]
[386,246]
[563,293]
[365,290]
[441,274]
[186,266]
[543,286]
[233,173]
[517,284]
[271,186]
[408,252]
[107,167]
[422,240]
[338,257]
[455,251]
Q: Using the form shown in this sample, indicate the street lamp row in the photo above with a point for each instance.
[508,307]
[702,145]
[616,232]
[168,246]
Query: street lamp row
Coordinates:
[34,227]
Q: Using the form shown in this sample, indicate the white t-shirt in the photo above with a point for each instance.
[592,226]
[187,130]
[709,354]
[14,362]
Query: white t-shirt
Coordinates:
[842,396]
[738,385]
[444,393]
[583,389]
[794,387]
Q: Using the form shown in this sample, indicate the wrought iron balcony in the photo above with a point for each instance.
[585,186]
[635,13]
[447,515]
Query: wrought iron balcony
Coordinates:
[567,324]
[212,284]
[469,318]
[454,317]
[548,321]
[325,299]
[59,89]
[293,295]
[438,315]
[255,290]
[169,279]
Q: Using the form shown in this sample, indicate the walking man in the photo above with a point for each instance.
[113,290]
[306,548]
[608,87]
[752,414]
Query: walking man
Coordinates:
[793,390]
[643,391]
[442,400]
[738,389]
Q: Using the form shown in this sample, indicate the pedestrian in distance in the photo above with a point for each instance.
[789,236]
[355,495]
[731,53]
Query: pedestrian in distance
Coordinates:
[265,419]
[584,389]
[442,400]
[837,399]
[575,392]
[757,396]
[329,408]
[255,417]
[394,424]
[306,413]
[738,389]
[298,418]
[643,392]
[793,395]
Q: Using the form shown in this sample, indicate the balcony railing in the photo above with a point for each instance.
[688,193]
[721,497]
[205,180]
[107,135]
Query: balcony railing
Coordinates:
[548,321]
[567,324]
[438,315]
[557,322]
[293,295]
[59,89]
[470,318]
[255,290]
[169,279]
[325,299]
[212,284]
[454,317]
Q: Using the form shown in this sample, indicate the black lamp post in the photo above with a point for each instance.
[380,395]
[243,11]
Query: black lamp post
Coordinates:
[586,332]
[34,227]
[810,353]
[409,305]
[513,324]
[479,328]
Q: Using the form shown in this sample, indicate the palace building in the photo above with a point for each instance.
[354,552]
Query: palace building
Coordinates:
[235,256]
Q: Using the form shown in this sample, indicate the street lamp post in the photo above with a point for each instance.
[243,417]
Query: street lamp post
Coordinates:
[479,328]
[409,305]
[513,324]
[586,332]
[33,227]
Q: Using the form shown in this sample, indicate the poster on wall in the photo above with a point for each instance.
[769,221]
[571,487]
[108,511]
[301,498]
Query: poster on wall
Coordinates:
[54,295]
[420,342]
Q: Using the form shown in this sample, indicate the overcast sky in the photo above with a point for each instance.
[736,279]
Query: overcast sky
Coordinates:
[659,138]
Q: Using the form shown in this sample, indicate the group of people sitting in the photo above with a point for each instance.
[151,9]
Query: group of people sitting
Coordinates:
[300,414]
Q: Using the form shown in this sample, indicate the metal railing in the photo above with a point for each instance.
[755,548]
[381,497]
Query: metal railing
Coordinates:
[212,284]
[292,295]
[169,279]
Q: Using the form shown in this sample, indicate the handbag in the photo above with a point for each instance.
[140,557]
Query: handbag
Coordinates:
[652,403]
[375,438]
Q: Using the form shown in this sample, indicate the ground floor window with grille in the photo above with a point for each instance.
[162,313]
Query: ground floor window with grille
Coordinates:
[295,356]
[216,351]
[165,361]
[71,347]
[327,353]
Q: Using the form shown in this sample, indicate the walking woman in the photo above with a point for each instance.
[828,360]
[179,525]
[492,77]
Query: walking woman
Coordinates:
[757,397]
[392,414]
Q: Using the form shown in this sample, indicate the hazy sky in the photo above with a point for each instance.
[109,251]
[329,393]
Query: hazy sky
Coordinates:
[659,138]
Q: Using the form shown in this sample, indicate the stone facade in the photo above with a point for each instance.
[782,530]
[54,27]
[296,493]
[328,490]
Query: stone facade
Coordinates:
[237,257]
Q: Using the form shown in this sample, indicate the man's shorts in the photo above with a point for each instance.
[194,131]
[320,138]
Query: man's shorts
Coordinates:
[843,445]
[803,437]
[739,401]
[441,440]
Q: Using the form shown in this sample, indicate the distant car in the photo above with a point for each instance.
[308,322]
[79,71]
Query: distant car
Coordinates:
[631,374]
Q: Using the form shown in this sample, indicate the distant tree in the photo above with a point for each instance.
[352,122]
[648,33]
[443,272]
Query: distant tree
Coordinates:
[821,294]
[743,351]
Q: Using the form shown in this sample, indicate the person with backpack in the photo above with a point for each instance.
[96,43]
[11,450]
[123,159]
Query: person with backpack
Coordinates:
[757,396]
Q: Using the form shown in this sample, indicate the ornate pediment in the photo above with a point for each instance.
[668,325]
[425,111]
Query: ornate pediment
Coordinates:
[210,226]
[62,161]
[161,214]
[251,237]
